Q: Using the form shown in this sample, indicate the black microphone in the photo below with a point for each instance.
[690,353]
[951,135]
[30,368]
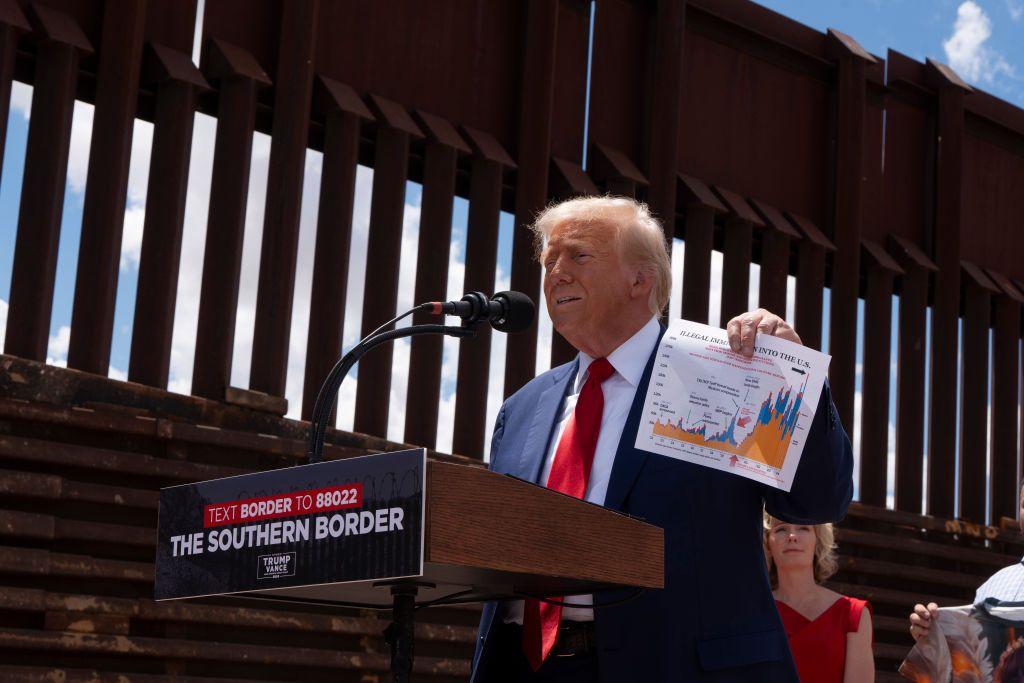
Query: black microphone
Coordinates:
[505,311]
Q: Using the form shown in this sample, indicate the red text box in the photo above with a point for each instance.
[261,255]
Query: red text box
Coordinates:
[283,505]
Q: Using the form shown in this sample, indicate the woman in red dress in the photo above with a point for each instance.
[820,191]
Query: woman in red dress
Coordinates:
[829,633]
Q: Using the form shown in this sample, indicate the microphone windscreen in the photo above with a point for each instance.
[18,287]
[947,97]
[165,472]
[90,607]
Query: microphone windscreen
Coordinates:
[519,312]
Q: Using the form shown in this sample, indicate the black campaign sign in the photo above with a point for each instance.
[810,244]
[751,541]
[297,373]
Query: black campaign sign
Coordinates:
[358,519]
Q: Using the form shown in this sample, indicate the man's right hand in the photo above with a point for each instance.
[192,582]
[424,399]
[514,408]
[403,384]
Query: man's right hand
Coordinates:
[921,619]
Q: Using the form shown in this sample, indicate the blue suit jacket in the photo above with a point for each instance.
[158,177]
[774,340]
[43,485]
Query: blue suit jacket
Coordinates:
[715,620]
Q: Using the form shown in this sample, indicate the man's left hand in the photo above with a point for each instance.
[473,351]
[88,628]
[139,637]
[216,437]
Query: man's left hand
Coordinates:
[743,330]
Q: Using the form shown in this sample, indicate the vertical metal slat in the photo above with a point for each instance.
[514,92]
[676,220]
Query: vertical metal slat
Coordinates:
[344,114]
[911,376]
[880,269]
[153,324]
[426,352]
[810,280]
[540,37]
[43,181]
[383,255]
[290,137]
[978,291]
[106,186]
[739,253]
[849,189]
[699,237]
[13,25]
[239,76]
[945,314]
[481,262]
[1005,485]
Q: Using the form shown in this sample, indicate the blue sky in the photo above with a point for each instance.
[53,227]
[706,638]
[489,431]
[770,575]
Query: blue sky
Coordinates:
[981,39]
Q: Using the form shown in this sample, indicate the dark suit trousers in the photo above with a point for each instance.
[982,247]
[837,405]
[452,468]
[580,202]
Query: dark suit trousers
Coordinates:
[510,665]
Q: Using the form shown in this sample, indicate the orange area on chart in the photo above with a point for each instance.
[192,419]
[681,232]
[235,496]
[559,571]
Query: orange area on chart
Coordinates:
[768,442]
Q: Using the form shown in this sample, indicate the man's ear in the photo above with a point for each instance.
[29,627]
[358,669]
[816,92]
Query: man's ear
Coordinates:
[642,283]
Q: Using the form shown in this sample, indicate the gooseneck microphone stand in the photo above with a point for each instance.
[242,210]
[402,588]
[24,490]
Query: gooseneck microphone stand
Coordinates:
[474,310]
[329,389]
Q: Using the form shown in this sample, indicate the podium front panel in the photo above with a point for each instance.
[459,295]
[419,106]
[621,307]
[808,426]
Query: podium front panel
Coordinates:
[338,522]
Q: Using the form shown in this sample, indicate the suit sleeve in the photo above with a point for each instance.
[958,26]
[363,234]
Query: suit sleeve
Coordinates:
[823,484]
[499,431]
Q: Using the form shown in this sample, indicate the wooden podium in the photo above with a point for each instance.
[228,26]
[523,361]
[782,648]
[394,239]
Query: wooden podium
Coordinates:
[395,530]
[494,536]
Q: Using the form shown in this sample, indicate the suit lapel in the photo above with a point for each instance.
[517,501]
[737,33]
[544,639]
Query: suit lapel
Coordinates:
[535,450]
[628,459]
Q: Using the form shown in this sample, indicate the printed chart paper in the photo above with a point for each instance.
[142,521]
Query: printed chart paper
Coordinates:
[711,406]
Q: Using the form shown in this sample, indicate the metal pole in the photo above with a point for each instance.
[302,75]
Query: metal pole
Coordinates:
[400,634]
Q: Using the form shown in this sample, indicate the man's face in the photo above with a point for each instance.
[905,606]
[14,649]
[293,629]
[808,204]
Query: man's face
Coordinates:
[586,285]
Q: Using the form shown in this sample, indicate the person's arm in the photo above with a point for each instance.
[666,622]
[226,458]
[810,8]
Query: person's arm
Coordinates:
[823,482]
[499,431]
[860,660]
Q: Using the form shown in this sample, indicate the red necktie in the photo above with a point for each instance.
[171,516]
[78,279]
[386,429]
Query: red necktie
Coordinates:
[569,474]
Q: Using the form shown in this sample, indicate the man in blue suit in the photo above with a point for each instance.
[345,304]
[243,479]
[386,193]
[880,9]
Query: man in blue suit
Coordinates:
[607,279]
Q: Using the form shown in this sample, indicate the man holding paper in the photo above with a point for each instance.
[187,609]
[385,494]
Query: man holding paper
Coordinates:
[574,429]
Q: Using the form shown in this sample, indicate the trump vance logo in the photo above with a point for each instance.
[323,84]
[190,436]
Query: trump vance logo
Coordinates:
[275,566]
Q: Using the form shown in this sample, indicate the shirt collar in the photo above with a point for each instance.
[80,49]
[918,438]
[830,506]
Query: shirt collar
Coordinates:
[630,358]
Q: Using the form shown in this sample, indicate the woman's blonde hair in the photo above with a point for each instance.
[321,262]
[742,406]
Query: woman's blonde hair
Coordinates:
[640,236]
[825,562]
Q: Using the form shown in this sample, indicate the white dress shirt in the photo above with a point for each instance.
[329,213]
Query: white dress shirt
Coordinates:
[1006,585]
[629,360]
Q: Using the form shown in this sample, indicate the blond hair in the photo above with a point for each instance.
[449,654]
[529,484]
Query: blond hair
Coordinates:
[825,562]
[641,239]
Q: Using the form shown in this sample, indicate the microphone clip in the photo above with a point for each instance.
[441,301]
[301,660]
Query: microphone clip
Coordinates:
[477,309]
[505,311]
[474,308]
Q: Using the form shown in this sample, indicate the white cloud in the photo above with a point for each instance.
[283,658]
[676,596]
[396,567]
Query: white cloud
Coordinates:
[1015,8]
[138,167]
[138,181]
[252,247]
[715,293]
[791,299]
[399,389]
[496,377]
[303,282]
[190,273]
[854,433]
[197,41]
[753,287]
[131,239]
[403,348]
[354,289]
[966,49]
[545,332]
[21,99]
[890,490]
[78,153]
[446,419]
[675,302]
[357,257]
[450,346]
[57,349]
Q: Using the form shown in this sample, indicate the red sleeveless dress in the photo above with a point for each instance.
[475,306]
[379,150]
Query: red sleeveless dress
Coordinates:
[819,646]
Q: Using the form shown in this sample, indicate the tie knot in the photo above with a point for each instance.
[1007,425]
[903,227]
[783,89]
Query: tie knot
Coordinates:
[600,370]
